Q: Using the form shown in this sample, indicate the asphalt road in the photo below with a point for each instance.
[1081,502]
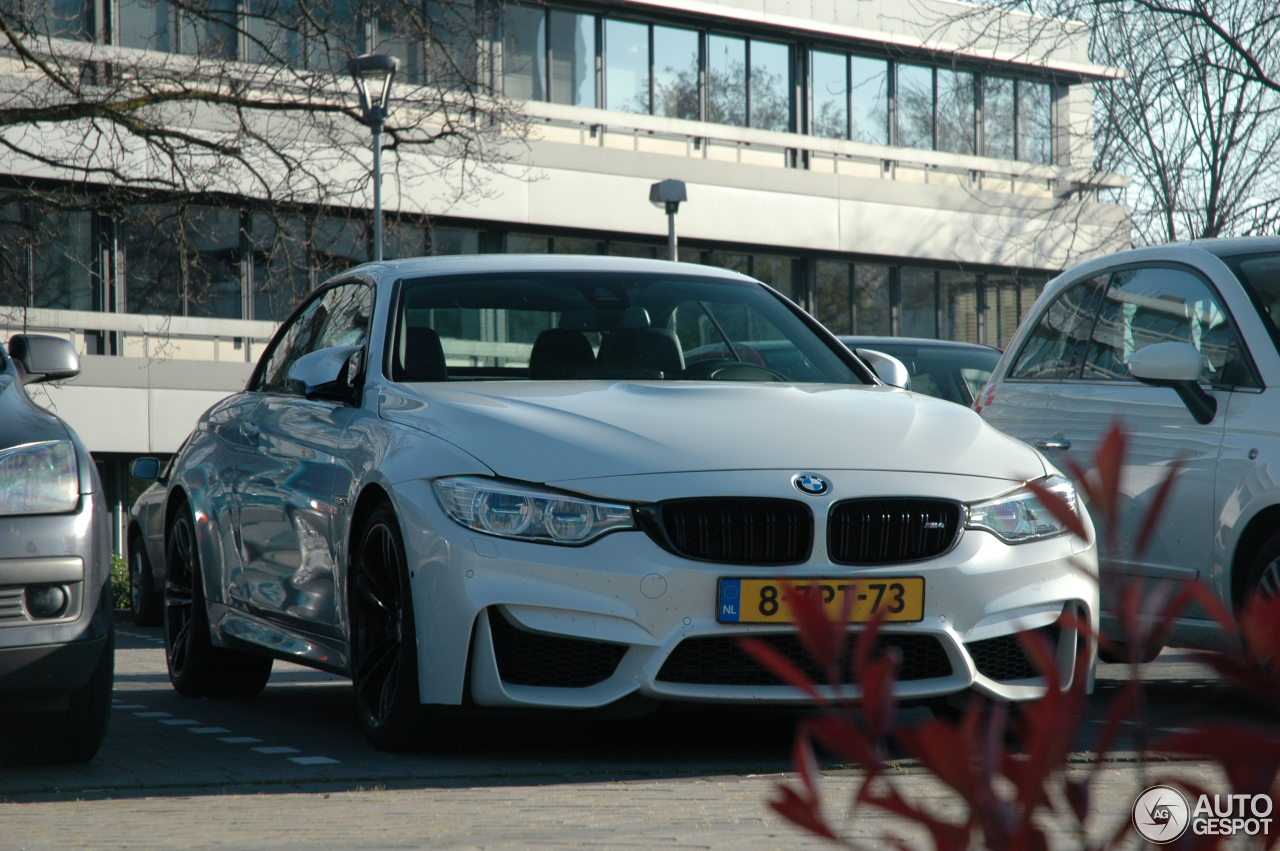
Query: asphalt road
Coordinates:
[286,766]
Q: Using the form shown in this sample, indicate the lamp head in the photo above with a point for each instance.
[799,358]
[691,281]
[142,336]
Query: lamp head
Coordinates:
[373,73]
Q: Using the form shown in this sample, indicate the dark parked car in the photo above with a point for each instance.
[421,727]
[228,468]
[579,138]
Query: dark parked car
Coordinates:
[57,647]
[948,370]
[146,543]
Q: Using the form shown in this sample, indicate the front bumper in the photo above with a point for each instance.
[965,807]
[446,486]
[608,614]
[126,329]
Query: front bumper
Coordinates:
[57,655]
[624,590]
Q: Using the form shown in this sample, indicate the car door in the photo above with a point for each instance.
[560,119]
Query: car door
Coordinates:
[1019,406]
[287,506]
[1143,305]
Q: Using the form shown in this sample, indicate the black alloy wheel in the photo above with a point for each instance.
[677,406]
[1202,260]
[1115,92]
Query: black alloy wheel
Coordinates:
[383,641]
[196,667]
[179,587]
[1264,573]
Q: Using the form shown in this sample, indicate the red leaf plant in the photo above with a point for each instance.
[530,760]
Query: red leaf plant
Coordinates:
[1004,789]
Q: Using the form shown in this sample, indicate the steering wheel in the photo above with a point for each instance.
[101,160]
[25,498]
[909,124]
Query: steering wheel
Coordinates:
[746,372]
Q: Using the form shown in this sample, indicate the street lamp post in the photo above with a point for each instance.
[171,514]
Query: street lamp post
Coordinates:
[373,74]
[669,193]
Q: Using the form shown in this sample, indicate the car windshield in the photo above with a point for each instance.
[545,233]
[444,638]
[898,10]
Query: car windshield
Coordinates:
[954,373]
[1260,275]
[580,326]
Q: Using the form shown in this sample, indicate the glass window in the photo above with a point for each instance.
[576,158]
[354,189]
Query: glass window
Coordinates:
[151,238]
[56,18]
[675,73]
[1143,307]
[449,37]
[61,256]
[626,71]
[627,249]
[1002,294]
[454,241]
[919,303]
[574,245]
[338,244]
[727,260]
[146,24]
[770,85]
[274,30]
[339,317]
[835,305]
[871,300]
[1055,348]
[210,30]
[1260,275]
[915,106]
[402,240]
[1035,123]
[829,82]
[213,263]
[869,84]
[281,268]
[573,58]
[603,326]
[954,373]
[334,39]
[997,118]
[524,52]
[15,278]
[399,35]
[519,243]
[959,306]
[777,273]
[955,112]
[726,80]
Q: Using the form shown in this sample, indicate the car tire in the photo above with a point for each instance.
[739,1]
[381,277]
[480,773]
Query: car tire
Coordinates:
[196,667]
[1264,570]
[72,735]
[384,647]
[1119,654]
[146,603]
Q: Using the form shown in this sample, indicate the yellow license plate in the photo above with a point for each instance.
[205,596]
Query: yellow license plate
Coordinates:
[901,598]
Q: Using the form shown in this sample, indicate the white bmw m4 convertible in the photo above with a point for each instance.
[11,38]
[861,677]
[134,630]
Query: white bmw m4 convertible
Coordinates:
[564,482]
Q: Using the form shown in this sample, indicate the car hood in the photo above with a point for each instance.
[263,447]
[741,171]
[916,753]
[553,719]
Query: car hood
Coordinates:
[557,431]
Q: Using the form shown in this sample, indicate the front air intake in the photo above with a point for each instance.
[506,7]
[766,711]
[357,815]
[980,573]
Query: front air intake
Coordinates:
[534,659]
[735,531]
[718,660]
[891,530]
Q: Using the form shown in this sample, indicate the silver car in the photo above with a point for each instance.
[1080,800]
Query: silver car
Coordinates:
[566,482]
[56,638]
[1178,343]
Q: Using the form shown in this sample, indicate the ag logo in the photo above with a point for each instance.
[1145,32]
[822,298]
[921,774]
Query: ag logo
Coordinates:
[810,483]
[1161,814]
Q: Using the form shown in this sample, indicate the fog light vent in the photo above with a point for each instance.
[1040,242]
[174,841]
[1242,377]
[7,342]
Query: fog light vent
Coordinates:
[47,601]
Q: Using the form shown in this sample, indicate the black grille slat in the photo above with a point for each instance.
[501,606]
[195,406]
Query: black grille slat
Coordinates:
[719,661]
[738,531]
[11,605]
[1004,658]
[891,530]
[534,659]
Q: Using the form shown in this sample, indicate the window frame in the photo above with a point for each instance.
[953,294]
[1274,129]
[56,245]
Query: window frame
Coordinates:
[255,378]
[1110,273]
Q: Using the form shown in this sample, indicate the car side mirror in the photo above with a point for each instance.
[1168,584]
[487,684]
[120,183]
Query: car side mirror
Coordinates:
[43,358]
[146,469]
[1178,366]
[327,373]
[887,368]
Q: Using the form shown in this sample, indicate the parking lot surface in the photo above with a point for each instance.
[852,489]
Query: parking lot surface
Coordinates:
[292,768]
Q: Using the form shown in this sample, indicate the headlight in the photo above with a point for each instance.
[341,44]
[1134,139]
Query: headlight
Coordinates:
[39,478]
[1018,517]
[526,514]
